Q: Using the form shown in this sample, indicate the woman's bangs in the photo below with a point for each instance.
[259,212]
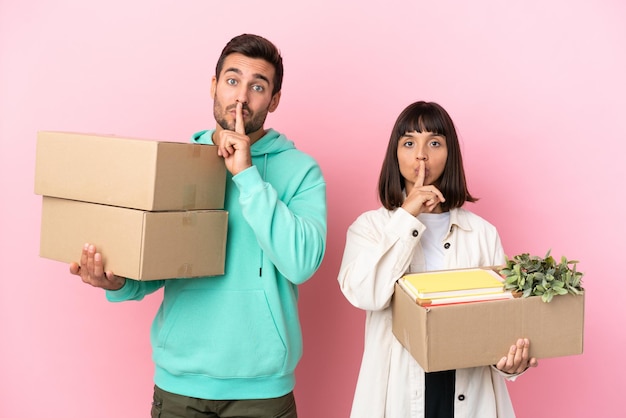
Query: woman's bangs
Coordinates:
[423,122]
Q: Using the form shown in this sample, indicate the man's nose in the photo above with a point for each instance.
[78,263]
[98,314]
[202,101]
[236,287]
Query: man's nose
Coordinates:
[242,96]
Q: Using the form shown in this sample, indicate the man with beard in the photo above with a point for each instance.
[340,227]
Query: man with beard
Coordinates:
[228,346]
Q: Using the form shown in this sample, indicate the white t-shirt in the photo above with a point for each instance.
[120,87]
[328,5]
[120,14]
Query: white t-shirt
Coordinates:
[437,225]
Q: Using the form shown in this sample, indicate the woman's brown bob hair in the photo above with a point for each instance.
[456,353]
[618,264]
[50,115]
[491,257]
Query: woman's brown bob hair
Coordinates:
[424,117]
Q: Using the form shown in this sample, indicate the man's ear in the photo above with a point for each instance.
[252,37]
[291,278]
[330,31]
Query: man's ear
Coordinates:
[213,86]
[274,102]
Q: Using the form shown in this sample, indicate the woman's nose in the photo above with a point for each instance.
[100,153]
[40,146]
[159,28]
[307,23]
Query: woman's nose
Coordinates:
[421,154]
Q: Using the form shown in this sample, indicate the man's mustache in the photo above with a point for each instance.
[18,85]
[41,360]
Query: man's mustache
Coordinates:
[234,107]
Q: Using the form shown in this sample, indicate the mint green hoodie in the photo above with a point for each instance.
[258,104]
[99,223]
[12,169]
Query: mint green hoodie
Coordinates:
[238,336]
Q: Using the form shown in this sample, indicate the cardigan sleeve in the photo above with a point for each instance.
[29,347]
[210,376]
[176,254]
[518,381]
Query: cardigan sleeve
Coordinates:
[378,251]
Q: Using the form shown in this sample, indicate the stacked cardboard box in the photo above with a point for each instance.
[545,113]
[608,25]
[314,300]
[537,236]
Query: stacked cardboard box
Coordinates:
[480,333]
[155,209]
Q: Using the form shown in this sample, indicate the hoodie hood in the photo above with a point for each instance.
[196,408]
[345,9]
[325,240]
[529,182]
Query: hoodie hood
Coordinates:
[272,142]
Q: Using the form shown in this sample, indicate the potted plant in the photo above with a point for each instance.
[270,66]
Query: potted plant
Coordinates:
[536,276]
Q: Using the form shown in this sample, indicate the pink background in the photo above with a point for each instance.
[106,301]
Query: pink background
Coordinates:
[538,94]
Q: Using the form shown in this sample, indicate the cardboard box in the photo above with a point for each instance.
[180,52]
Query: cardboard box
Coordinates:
[137,244]
[480,333]
[129,172]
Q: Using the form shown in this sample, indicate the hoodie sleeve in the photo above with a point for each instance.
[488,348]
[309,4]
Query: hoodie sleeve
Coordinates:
[291,233]
[133,290]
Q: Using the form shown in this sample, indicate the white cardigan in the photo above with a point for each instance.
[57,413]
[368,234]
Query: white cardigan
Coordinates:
[381,246]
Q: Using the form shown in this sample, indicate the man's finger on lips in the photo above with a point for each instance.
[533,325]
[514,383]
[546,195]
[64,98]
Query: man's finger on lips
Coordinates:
[239,126]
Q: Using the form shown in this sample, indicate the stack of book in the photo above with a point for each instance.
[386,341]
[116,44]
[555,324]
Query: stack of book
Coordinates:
[454,286]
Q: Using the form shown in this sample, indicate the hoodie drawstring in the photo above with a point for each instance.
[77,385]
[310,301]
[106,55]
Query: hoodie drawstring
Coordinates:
[263,175]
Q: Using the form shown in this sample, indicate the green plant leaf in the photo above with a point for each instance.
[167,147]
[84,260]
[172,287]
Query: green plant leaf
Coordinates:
[547,297]
[536,276]
[561,291]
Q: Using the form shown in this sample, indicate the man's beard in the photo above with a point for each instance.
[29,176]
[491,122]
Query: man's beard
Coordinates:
[251,125]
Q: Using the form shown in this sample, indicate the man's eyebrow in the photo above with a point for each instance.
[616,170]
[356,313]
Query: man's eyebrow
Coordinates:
[239,72]
[233,69]
[262,77]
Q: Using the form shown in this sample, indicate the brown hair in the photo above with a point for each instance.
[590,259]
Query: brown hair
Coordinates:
[254,46]
[424,117]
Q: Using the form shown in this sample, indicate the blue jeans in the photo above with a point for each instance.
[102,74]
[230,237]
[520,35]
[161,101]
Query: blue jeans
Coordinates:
[170,405]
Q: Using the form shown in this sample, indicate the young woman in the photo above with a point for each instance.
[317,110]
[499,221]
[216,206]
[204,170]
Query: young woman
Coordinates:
[421,226]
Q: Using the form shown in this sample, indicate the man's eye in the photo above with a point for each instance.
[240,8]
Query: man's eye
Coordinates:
[231,81]
[257,88]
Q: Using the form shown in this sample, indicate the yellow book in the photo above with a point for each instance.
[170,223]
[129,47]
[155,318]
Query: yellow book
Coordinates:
[449,283]
[454,300]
